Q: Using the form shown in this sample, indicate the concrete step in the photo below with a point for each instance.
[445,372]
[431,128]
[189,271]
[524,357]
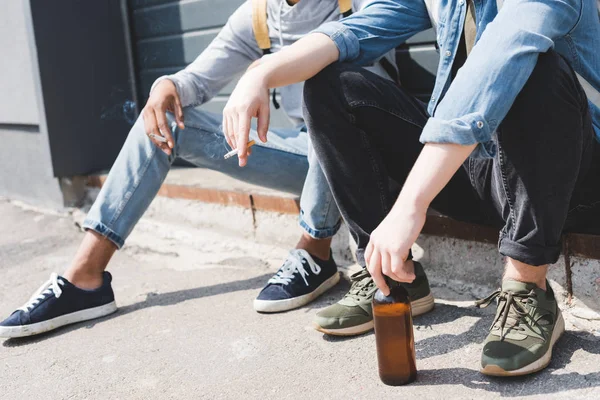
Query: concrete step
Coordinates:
[459,256]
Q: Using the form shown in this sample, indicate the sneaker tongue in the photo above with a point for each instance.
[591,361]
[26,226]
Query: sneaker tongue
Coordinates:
[508,285]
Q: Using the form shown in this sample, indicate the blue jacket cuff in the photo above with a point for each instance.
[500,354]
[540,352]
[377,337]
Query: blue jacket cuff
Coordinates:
[470,129]
[345,40]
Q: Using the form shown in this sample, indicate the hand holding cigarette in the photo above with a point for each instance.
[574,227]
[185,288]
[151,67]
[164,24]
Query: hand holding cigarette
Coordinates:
[234,152]
[158,138]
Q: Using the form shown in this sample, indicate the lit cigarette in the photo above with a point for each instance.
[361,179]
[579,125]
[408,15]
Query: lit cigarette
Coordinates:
[234,151]
[157,137]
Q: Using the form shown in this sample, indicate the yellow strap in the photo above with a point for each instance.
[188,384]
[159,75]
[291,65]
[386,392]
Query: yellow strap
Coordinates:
[259,21]
[345,5]
[259,24]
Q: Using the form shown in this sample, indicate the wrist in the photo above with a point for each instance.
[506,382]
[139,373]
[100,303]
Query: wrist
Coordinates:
[411,204]
[256,76]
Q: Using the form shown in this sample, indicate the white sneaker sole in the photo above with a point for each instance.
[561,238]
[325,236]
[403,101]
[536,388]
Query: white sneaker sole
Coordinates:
[418,307]
[539,364]
[54,323]
[273,306]
[423,305]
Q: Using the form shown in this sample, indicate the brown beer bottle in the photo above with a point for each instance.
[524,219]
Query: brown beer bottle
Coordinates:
[394,336]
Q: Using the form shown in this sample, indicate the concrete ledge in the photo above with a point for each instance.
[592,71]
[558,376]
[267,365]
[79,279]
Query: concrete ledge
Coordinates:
[213,187]
[455,252]
[216,188]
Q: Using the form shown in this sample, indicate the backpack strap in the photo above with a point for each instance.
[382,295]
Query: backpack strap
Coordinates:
[261,29]
[591,92]
[345,7]
[259,25]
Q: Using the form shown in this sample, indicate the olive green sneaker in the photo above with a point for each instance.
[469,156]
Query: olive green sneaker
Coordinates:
[353,314]
[528,323]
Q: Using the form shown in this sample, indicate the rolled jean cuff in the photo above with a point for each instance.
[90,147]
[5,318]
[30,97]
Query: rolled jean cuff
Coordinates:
[535,256]
[105,231]
[323,233]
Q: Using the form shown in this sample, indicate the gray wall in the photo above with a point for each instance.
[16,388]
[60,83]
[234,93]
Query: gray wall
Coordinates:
[25,163]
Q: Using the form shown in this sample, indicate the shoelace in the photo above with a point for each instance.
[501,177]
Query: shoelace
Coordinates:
[52,286]
[513,309]
[362,284]
[293,265]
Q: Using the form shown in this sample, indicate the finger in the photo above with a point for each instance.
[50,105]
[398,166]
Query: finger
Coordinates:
[150,125]
[368,252]
[230,133]
[179,117]
[375,271]
[386,265]
[397,269]
[163,126]
[225,128]
[242,134]
[155,130]
[249,151]
[233,131]
[264,116]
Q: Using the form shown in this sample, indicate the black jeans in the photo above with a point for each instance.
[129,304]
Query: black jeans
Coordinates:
[544,179]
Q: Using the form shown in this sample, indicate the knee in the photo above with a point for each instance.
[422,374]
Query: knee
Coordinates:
[320,85]
[333,83]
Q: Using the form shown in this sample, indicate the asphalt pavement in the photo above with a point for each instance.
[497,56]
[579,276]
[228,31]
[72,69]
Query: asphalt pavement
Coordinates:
[186,329]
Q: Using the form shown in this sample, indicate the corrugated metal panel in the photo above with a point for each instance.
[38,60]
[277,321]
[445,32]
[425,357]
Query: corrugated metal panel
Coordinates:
[180,16]
[168,35]
[173,50]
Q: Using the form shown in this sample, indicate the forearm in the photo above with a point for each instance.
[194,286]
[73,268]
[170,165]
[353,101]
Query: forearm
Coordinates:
[298,62]
[432,171]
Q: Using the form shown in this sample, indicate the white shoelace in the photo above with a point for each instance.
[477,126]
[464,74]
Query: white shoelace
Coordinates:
[293,265]
[51,287]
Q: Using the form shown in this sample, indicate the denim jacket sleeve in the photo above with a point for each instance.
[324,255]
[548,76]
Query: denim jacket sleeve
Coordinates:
[498,67]
[230,53]
[379,27]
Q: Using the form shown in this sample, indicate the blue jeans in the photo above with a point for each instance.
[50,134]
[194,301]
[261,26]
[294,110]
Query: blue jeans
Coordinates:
[285,163]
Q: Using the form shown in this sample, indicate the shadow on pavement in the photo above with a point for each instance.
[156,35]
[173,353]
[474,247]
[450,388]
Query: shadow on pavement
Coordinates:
[152,300]
[544,382]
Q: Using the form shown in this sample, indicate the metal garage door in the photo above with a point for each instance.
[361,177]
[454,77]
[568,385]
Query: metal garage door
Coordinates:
[168,35]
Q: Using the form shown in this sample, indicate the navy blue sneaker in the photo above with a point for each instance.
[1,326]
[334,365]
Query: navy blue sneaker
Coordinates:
[58,303]
[301,279]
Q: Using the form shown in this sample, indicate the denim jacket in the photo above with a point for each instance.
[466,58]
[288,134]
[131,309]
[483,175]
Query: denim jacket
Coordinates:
[469,110]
